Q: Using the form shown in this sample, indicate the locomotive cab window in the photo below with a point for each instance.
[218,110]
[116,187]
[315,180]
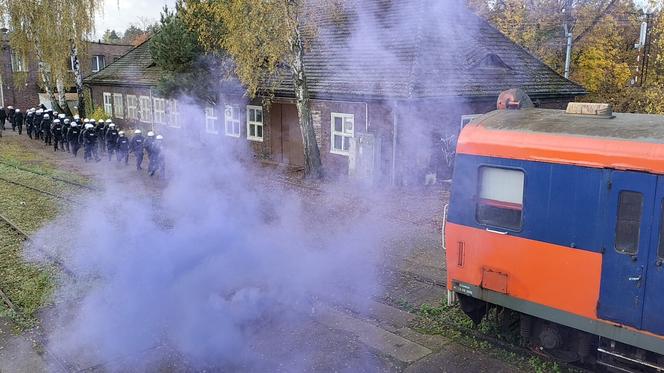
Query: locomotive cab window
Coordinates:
[628,225]
[500,202]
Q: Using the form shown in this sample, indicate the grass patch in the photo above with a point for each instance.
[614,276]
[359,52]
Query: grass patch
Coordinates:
[28,285]
[449,321]
[18,156]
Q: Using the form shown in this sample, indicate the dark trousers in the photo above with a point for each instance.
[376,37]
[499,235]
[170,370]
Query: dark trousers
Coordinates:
[47,137]
[56,141]
[20,129]
[75,146]
[29,131]
[110,149]
[123,155]
[65,145]
[139,160]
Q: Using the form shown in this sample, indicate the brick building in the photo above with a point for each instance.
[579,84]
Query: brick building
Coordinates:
[398,85]
[20,83]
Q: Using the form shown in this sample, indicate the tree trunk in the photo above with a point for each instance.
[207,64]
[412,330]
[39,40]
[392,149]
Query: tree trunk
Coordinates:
[62,97]
[313,168]
[45,75]
[78,78]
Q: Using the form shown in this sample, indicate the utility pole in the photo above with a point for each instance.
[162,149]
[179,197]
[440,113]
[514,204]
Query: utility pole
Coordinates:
[567,26]
[644,53]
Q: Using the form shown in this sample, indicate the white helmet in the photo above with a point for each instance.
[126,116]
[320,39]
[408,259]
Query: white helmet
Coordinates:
[18,110]
[86,120]
[56,121]
[93,121]
[67,121]
[160,137]
[46,116]
[150,133]
[109,121]
[77,117]
[40,111]
[74,124]
[10,107]
[112,125]
[88,126]
[62,116]
[121,133]
[137,132]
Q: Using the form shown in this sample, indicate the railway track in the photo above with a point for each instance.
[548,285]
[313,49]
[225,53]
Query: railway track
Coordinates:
[9,227]
[72,183]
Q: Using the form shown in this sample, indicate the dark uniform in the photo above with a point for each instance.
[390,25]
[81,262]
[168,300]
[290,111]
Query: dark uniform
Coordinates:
[10,116]
[73,138]
[111,138]
[101,135]
[157,161]
[3,117]
[39,116]
[19,118]
[56,132]
[46,129]
[90,140]
[137,147]
[65,135]
[122,145]
[30,123]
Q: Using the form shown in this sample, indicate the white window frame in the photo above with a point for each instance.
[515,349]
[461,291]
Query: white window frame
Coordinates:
[145,112]
[344,134]
[465,119]
[211,120]
[118,105]
[18,63]
[255,123]
[96,65]
[132,107]
[172,113]
[232,126]
[159,110]
[108,103]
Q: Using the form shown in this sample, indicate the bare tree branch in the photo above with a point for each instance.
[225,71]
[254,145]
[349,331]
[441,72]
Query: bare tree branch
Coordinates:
[595,21]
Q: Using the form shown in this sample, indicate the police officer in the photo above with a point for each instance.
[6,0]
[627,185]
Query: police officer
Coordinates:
[18,120]
[148,144]
[39,116]
[56,132]
[29,123]
[46,128]
[157,161]
[90,140]
[10,116]
[111,138]
[122,146]
[137,147]
[73,138]
[3,117]
[101,131]
[66,125]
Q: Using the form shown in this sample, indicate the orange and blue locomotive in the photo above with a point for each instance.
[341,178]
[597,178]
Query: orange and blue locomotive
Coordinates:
[559,216]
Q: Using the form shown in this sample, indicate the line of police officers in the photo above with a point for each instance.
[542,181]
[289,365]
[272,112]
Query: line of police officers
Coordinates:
[95,137]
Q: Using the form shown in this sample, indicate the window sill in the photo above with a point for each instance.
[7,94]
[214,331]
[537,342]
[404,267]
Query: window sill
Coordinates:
[339,152]
[233,135]
[256,139]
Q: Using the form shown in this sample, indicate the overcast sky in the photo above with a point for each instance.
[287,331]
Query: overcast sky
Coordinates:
[119,14]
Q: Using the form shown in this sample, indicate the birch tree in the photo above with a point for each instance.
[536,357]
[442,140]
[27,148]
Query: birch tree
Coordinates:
[52,31]
[264,39]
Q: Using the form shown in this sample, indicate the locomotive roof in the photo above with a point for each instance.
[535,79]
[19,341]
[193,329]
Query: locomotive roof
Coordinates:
[623,126]
[625,141]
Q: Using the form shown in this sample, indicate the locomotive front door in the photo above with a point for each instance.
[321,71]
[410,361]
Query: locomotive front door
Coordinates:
[653,308]
[629,215]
